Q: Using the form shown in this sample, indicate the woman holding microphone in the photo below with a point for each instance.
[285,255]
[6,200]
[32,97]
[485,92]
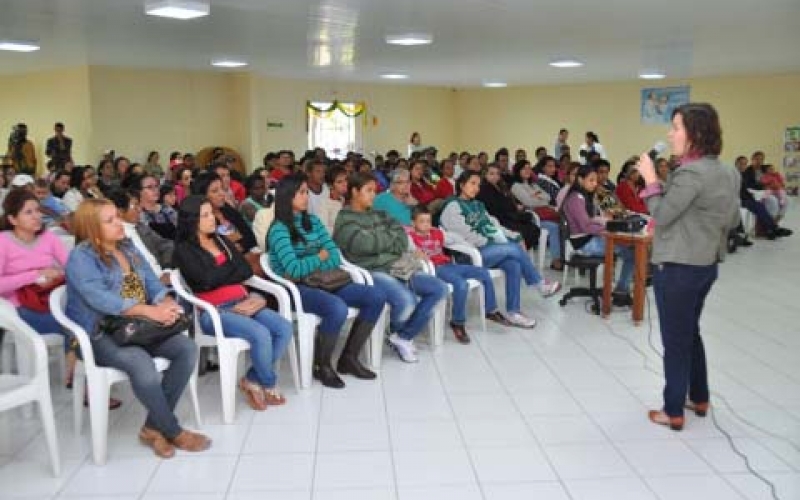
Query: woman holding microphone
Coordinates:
[693,214]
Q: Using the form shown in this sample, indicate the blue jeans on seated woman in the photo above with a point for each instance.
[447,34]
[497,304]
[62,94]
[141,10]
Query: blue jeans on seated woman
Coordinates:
[553,238]
[596,247]
[42,322]
[331,307]
[457,275]
[267,332]
[516,264]
[407,317]
[159,394]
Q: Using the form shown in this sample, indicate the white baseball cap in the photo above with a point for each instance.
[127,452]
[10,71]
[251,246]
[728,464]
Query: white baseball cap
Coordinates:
[21,180]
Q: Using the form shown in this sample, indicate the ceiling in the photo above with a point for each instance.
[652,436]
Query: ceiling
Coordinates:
[474,40]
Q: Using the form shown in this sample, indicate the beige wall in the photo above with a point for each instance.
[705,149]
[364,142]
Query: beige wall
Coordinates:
[753,110]
[42,99]
[135,110]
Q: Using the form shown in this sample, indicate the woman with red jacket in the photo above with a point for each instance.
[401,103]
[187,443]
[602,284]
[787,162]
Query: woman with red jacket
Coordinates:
[628,187]
[446,187]
[422,190]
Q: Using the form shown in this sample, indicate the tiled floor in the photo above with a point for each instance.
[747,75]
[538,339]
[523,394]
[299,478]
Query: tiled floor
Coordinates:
[554,413]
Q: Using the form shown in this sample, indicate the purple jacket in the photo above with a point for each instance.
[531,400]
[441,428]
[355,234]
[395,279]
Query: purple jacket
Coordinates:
[580,223]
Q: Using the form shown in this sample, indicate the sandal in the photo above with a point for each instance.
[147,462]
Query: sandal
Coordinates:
[273,397]
[254,394]
[113,403]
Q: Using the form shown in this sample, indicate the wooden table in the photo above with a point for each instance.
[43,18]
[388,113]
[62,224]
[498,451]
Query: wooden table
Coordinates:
[641,244]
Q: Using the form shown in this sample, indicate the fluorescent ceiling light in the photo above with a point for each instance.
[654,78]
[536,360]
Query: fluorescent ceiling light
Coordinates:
[652,75]
[18,46]
[495,85]
[566,63]
[177,9]
[394,76]
[409,39]
[228,63]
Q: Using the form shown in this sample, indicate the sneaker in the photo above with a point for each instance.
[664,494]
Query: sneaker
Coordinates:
[548,288]
[404,348]
[520,320]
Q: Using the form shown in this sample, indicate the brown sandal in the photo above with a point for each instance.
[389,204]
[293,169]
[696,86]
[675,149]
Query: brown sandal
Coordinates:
[273,397]
[155,440]
[254,394]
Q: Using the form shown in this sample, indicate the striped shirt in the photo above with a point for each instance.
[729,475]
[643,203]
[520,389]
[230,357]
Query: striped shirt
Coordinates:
[299,259]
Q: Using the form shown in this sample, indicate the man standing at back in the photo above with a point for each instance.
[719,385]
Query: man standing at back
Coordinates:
[59,147]
[561,141]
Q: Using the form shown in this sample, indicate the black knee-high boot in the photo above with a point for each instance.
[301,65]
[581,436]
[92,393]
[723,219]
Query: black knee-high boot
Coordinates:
[348,361]
[323,371]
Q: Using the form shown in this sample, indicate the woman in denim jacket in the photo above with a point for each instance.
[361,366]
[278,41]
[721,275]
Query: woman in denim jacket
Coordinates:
[107,276]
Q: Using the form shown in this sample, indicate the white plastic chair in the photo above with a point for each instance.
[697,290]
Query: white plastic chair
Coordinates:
[98,380]
[543,235]
[32,384]
[54,341]
[307,323]
[476,260]
[229,348]
[440,312]
[748,221]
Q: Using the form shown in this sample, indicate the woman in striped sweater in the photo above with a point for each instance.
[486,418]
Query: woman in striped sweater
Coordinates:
[298,244]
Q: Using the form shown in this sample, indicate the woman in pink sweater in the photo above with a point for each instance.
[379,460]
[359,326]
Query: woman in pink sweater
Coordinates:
[29,254]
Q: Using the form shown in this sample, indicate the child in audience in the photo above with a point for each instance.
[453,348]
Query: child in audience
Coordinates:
[431,242]
[168,200]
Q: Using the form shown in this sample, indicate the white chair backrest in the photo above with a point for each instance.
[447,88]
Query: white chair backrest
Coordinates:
[58,305]
[30,348]
[179,285]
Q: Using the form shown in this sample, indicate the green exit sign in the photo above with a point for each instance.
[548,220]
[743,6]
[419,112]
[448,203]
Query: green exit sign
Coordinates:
[274,124]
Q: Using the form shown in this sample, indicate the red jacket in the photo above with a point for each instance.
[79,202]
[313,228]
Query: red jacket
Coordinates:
[445,189]
[239,192]
[423,192]
[630,198]
[431,245]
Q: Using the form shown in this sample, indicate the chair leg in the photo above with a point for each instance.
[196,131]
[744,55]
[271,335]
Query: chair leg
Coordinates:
[228,365]
[593,289]
[436,326]
[294,363]
[481,305]
[49,425]
[376,340]
[195,400]
[99,392]
[305,346]
[543,234]
[78,396]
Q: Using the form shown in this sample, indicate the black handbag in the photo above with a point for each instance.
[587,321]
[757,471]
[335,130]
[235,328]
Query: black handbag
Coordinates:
[140,331]
[330,280]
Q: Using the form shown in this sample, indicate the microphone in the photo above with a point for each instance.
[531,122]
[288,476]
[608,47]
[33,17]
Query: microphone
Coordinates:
[658,148]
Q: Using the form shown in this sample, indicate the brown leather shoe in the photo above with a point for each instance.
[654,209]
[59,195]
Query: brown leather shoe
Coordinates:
[699,409]
[191,441]
[155,440]
[254,394]
[661,418]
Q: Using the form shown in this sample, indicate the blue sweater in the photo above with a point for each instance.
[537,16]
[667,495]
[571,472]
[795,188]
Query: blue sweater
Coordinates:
[394,207]
[298,260]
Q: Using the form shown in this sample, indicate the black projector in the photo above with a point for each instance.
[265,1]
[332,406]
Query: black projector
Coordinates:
[629,224]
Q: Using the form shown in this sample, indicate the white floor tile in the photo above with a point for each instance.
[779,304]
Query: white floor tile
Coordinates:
[291,471]
[506,432]
[663,458]
[281,438]
[547,403]
[193,474]
[587,461]
[565,429]
[117,477]
[353,436]
[549,490]
[363,469]
[476,406]
[610,489]
[693,487]
[35,477]
[387,493]
[448,492]
[497,465]
[413,435]
[423,468]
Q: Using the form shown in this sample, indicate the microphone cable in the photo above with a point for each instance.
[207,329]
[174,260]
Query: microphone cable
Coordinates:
[731,443]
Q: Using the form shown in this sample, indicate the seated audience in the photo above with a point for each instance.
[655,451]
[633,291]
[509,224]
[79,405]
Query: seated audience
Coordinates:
[546,177]
[183,183]
[106,276]
[536,200]
[159,217]
[500,203]
[629,187]
[318,190]
[375,241]
[83,185]
[446,187]
[329,207]
[257,198]
[764,219]
[230,222]
[421,189]
[300,245]
[397,201]
[215,271]
[499,247]
[234,190]
[155,249]
[431,241]
[586,227]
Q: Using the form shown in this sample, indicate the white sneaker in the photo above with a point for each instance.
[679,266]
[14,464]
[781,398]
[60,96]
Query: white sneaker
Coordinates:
[548,288]
[404,348]
[520,320]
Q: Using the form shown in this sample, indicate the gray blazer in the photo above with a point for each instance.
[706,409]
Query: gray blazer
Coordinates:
[695,212]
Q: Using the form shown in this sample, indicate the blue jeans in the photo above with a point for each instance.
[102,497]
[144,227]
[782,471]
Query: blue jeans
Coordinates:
[762,215]
[516,264]
[267,332]
[681,291]
[331,307]
[159,394]
[553,238]
[42,322]
[596,247]
[407,317]
[457,276]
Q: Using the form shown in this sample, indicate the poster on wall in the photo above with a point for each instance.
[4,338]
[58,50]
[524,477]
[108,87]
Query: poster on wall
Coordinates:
[657,103]
[791,159]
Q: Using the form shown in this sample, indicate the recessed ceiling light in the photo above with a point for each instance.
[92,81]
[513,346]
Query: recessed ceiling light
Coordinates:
[18,46]
[652,75]
[394,76]
[409,39]
[566,63]
[228,63]
[177,9]
[495,85]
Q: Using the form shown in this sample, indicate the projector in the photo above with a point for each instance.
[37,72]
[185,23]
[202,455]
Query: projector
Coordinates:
[628,224]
